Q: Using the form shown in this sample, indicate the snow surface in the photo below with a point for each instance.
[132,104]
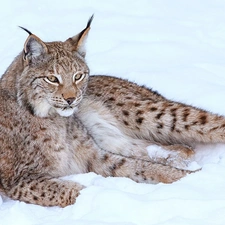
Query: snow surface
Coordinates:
[177,48]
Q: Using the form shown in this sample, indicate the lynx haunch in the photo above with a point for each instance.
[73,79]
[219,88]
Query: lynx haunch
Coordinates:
[57,120]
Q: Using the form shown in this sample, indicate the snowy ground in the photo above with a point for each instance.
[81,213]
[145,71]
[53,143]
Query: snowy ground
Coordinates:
[176,47]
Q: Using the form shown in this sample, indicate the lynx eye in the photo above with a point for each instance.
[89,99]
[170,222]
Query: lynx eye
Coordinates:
[77,77]
[52,80]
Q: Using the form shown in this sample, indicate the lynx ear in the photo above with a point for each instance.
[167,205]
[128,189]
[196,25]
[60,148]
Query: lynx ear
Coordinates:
[33,47]
[78,41]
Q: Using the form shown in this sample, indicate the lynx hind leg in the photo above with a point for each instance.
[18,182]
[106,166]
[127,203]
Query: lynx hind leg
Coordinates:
[178,156]
[46,192]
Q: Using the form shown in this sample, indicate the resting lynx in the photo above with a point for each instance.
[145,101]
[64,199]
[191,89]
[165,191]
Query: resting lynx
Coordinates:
[55,120]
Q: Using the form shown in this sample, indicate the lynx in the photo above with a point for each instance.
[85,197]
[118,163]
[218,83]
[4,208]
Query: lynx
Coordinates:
[56,120]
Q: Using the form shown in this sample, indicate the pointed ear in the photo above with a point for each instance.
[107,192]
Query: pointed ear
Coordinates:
[78,41]
[34,47]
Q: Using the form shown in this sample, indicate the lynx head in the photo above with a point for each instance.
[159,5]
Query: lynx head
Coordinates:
[54,76]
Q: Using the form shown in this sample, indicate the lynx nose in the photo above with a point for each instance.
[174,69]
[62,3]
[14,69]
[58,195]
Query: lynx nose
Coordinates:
[69,100]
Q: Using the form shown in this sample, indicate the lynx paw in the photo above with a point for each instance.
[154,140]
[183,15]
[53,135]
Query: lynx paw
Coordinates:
[178,156]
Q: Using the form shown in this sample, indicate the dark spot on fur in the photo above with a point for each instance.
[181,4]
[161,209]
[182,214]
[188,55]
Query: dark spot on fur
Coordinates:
[139,120]
[203,119]
[186,113]
[152,178]
[15,191]
[159,126]
[173,125]
[125,112]
[105,157]
[126,123]
[186,127]
[173,110]
[111,99]
[214,128]
[35,198]
[43,128]
[200,132]
[29,107]
[47,139]
[16,123]
[22,185]
[89,166]
[121,163]
[25,194]
[137,104]
[128,97]
[120,104]
[19,195]
[158,116]
[147,99]
[143,175]
[34,137]
[112,169]
[153,109]
[139,112]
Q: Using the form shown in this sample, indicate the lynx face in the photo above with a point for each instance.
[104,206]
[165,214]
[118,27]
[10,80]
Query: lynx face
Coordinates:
[53,87]
[54,77]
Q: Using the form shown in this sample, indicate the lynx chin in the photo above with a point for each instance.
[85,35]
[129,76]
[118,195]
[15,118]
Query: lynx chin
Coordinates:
[57,120]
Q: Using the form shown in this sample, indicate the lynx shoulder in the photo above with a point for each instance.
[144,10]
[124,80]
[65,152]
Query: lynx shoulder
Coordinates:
[56,120]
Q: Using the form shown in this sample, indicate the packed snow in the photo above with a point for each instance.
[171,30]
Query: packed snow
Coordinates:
[177,48]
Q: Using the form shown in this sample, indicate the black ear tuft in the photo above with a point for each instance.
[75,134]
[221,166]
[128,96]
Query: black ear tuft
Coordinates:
[90,21]
[77,42]
[87,27]
[26,30]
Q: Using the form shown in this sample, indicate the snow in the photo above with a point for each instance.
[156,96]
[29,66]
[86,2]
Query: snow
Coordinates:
[177,48]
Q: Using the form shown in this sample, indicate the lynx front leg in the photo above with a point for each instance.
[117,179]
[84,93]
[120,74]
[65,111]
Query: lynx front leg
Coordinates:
[46,192]
[136,169]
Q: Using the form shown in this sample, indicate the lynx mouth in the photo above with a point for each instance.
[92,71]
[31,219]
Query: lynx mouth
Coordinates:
[67,107]
[65,112]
